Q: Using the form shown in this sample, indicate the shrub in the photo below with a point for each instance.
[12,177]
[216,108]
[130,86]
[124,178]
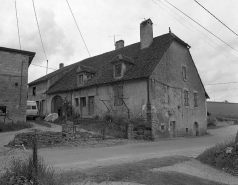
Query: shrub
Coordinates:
[14,126]
[218,157]
[21,170]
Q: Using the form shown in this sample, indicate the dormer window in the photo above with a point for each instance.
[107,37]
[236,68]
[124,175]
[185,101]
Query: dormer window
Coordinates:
[118,70]
[121,63]
[80,79]
[84,73]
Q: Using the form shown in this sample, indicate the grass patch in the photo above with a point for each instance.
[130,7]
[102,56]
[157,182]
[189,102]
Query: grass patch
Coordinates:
[218,157]
[14,127]
[21,171]
[139,172]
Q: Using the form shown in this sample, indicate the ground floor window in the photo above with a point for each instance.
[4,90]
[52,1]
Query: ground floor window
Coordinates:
[83,101]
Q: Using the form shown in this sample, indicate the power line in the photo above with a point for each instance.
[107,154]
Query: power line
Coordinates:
[39,29]
[201,26]
[193,31]
[222,83]
[19,39]
[43,66]
[40,36]
[78,28]
[216,18]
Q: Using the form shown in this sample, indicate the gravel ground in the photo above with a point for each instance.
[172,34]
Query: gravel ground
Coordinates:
[107,183]
[198,169]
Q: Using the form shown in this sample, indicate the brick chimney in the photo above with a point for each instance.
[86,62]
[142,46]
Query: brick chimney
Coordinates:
[146,33]
[119,44]
[61,65]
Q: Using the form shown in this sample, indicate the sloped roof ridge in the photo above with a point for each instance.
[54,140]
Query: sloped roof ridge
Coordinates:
[145,61]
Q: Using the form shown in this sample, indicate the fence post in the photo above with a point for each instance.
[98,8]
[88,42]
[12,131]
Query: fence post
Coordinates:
[35,161]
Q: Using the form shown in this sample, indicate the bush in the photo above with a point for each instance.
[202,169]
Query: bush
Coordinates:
[218,157]
[14,126]
[21,170]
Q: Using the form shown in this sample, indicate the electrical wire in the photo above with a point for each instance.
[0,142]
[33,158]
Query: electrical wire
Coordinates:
[223,83]
[18,30]
[193,31]
[43,66]
[216,18]
[39,30]
[201,26]
[222,48]
[78,27]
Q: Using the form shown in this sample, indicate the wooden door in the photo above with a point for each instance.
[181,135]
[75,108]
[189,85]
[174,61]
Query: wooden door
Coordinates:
[91,105]
[172,129]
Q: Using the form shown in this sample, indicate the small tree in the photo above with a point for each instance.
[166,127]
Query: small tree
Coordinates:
[66,108]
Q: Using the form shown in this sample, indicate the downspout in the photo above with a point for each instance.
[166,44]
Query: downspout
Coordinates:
[148,93]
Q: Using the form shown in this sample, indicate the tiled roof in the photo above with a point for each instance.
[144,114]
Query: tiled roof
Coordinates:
[144,60]
[50,75]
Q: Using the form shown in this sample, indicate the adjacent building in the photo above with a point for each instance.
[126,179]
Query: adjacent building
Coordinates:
[13,83]
[155,78]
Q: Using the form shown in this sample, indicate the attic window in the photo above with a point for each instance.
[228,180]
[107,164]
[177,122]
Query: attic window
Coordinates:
[118,70]
[80,79]
[184,73]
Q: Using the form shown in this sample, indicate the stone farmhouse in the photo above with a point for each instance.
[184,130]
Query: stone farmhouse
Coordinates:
[13,83]
[155,78]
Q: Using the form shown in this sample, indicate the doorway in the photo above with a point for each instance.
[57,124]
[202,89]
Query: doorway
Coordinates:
[172,129]
[91,105]
[56,105]
[196,129]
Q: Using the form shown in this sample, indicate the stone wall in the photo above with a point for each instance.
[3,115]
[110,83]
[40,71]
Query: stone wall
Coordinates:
[167,95]
[13,84]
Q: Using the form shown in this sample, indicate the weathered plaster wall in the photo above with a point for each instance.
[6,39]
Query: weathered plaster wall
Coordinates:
[167,95]
[40,96]
[13,88]
[134,92]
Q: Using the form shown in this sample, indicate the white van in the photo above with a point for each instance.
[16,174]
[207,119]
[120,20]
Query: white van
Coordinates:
[32,110]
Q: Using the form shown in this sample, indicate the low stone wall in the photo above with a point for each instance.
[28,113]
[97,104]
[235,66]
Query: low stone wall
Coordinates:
[43,138]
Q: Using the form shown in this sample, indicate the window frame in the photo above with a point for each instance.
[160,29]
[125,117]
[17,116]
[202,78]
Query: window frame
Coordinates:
[195,94]
[117,75]
[186,97]
[184,73]
[76,102]
[118,94]
[80,79]
[83,101]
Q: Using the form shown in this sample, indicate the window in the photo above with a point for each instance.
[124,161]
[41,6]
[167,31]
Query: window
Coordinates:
[80,79]
[195,100]
[184,73]
[118,95]
[33,91]
[186,98]
[162,127]
[34,107]
[118,69]
[186,130]
[83,101]
[76,102]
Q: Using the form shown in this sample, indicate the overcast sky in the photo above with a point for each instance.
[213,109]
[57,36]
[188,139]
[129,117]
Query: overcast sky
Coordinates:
[100,19]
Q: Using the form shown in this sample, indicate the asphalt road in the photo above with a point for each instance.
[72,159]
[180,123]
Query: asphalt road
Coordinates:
[75,158]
